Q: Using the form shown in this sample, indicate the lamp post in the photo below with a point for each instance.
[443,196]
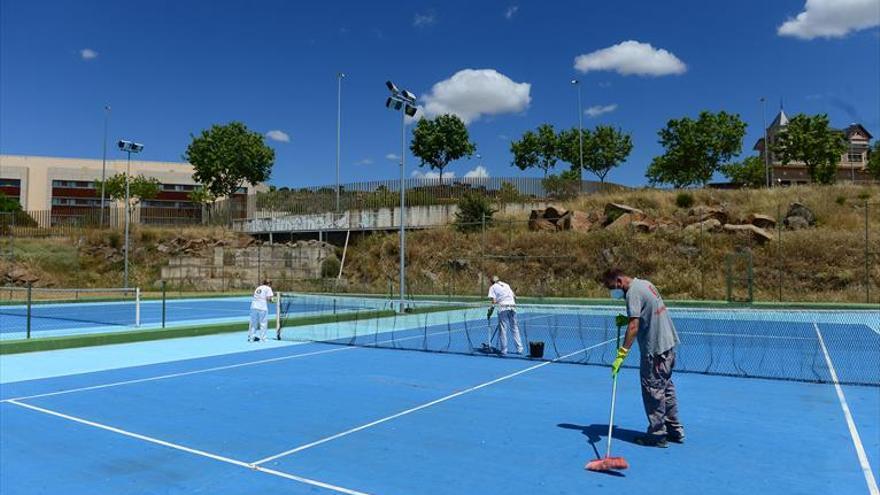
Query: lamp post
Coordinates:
[104,164]
[766,143]
[339,77]
[577,83]
[127,147]
[402,99]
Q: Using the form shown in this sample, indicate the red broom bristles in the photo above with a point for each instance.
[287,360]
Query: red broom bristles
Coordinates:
[607,464]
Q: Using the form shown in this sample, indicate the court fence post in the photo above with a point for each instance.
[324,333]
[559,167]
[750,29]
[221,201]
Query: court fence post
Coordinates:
[29,291]
[163,304]
[867,263]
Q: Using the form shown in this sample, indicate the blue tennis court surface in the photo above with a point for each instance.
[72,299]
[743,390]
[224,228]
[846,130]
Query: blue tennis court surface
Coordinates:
[53,319]
[319,418]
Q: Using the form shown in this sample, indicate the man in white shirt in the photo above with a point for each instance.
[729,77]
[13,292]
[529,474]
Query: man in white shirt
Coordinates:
[502,296]
[260,311]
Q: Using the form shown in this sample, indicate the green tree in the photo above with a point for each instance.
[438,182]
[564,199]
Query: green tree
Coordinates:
[8,205]
[809,139]
[225,157]
[562,187]
[569,147]
[874,160]
[140,187]
[536,149]
[696,149]
[607,149]
[441,140]
[748,173]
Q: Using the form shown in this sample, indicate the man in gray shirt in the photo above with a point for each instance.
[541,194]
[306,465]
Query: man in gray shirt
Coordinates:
[649,321]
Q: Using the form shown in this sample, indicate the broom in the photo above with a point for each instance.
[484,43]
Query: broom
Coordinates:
[609,463]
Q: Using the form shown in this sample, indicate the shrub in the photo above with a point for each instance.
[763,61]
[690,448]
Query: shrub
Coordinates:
[114,240]
[864,195]
[472,209]
[562,187]
[684,200]
[330,267]
[841,200]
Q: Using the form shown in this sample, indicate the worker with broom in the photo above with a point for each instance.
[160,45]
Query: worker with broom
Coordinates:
[649,322]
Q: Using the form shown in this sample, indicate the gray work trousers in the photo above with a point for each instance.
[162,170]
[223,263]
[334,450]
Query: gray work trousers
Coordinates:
[658,394]
[507,322]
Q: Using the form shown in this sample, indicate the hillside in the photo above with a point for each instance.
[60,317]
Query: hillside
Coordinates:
[826,262]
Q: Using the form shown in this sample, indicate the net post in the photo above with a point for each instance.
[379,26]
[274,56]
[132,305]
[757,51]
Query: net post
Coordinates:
[163,304]
[137,306]
[29,294]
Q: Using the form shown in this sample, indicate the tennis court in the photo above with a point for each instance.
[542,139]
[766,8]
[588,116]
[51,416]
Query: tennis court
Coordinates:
[365,417]
[119,310]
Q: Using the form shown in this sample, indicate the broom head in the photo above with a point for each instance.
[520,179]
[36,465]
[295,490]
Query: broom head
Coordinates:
[607,464]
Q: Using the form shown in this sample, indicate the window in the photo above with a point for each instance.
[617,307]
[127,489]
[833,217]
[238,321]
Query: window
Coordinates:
[74,184]
[854,157]
[76,202]
[10,182]
[178,187]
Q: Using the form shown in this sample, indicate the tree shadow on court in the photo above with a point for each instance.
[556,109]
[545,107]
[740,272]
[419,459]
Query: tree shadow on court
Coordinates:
[595,434]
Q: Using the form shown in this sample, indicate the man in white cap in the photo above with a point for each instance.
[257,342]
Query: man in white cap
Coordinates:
[503,297]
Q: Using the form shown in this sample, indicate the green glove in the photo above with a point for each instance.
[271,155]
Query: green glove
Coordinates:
[621,355]
[620,320]
[489,313]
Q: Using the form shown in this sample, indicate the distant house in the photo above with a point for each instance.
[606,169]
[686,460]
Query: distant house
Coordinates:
[853,165]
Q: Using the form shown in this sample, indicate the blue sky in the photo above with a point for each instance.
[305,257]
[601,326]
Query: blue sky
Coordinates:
[172,68]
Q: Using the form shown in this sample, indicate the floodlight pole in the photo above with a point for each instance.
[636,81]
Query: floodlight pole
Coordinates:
[339,77]
[104,165]
[127,218]
[580,135]
[402,211]
[766,143]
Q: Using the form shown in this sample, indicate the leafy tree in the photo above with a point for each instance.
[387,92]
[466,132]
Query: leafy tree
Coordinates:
[536,149]
[202,196]
[509,193]
[225,157]
[569,148]
[473,209]
[563,186]
[140,187]
[874,160]
[696,149]
[8,205]
[749,173]
[607,149]
[441,140]
[809,139]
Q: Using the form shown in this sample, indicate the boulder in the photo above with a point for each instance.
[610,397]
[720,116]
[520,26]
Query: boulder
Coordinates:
[643,227]
[702,213]
[762,221]
[583,222]
[541,224]
[708,225]
[800,210]
[613,212]
[623,221]
[796,223]
[757,234]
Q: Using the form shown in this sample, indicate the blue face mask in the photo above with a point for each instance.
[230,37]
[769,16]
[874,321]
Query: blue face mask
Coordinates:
[617,294]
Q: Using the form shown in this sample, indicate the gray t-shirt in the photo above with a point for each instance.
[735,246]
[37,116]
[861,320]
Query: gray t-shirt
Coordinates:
[656,331]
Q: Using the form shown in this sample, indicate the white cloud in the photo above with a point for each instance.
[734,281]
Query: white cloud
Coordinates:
[424,19]
[598,110]
[393,157]
[832,19]
[510,12]
[478,173]
[631,58]
[88,54]
[473,93]
[418,174]
[279,136]
[365,161]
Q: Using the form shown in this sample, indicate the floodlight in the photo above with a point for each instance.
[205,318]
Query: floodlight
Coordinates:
[410,111]
[408,96]
[392,87]
[129,146]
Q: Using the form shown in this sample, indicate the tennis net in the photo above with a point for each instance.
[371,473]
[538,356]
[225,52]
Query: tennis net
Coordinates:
[781,344]
[27,309]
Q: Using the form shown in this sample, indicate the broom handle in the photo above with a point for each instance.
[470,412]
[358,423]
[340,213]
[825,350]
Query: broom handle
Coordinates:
[613,400]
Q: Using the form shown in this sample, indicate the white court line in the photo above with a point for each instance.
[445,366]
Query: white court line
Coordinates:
[749,335]
[853,432]
[189,450]
[423,406]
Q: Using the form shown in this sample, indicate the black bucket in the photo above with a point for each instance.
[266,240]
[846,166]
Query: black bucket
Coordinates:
[536,349]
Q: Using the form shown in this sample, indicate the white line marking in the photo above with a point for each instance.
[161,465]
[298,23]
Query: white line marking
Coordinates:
[175,375]
[853,432]
[747,335]
[423,406]
[189,450]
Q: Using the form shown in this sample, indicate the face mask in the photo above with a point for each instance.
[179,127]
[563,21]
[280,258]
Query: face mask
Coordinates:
[616,293]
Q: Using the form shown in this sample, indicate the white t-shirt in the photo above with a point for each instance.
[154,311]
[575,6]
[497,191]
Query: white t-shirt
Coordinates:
[502,294]
[262,294]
